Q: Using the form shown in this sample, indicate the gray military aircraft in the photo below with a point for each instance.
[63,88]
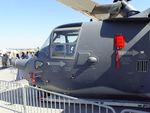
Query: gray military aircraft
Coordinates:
[105,58]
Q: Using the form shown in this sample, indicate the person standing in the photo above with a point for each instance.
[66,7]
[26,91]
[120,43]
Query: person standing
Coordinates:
[10,57]
[17,56]
[27,55]
[4,60]
[23,56]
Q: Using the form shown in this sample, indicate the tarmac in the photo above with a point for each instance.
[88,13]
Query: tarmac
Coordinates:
[8,74]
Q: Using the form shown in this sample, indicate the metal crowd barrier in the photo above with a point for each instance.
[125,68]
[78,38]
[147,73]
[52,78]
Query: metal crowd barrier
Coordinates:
[20,98]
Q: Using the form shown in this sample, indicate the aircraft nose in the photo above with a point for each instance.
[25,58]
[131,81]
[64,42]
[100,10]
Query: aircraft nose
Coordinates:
[20,63]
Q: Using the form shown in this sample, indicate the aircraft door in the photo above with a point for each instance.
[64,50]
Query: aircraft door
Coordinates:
[62,54]
[91,61]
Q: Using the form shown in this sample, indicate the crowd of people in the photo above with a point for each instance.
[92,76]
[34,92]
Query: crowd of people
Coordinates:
[25,56]
[7,57]
[6,61]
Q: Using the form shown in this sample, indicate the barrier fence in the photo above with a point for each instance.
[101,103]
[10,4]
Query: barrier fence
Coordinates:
[27,99]
[19,97]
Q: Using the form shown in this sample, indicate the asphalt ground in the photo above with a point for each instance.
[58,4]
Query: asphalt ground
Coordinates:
[8,74]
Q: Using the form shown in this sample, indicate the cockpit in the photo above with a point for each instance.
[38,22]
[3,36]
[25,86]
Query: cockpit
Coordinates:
[62,42]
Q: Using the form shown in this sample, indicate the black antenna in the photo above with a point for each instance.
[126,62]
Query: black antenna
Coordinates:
[121,0]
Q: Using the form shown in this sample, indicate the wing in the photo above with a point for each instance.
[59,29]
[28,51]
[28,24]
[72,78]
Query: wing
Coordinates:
[93,9]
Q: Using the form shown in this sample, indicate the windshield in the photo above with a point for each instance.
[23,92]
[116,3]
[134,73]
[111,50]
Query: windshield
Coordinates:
[46,43]
[64,42]
[45,47]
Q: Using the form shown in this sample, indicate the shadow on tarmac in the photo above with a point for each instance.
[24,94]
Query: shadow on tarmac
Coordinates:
[1,68]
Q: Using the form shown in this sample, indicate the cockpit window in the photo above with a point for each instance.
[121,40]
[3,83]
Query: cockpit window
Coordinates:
[64,42]
[45,47]
[46,43]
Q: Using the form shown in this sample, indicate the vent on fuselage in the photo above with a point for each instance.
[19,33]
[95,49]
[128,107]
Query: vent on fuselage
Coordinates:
[142,66]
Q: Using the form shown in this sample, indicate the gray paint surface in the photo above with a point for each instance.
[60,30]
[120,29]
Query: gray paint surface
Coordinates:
[76,76]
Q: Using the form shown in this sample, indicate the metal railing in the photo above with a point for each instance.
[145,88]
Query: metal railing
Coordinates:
[28,99]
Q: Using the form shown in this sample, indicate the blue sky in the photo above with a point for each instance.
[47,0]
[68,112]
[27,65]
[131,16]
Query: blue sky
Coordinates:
[27,23]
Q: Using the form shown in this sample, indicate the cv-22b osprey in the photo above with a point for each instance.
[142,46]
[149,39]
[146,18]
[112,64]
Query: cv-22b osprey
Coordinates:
[106,58]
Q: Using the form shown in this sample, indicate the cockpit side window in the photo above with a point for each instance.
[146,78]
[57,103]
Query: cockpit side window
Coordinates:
[45,47]
[64,42]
